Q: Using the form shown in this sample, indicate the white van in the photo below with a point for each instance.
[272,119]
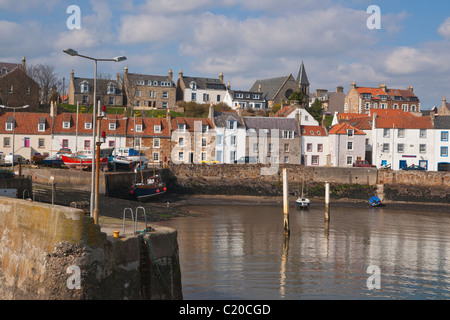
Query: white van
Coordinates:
[9,193]
[17,159]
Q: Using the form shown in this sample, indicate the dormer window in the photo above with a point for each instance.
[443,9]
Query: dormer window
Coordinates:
[9,126]
[41,127]
[84,87]
[193,86]
[182,127]
[157,129]
[139,128]
[111,88]
[205,128]
[231,124]
[350,132]
[4,70]
[66,125]
[112,126]
[88,125]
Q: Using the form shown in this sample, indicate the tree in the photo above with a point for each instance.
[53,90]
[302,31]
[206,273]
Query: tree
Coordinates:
[298,95]
[48,81]
[316,110]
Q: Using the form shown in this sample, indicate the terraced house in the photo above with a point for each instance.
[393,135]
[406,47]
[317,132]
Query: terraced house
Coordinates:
[363,99]
[201,90]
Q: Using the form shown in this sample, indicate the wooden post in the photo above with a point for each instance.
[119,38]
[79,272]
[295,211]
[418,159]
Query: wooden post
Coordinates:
[327,201]
[286,202]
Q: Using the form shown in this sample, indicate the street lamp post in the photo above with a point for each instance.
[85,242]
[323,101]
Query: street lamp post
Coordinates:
[14,129]
[94,197]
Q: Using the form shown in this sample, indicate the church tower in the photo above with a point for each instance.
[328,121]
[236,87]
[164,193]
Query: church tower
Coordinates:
[303,82]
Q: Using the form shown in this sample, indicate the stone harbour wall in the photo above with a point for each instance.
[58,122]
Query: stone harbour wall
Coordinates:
[57,253]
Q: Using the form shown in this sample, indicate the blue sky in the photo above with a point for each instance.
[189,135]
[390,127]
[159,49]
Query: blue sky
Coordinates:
[246,40]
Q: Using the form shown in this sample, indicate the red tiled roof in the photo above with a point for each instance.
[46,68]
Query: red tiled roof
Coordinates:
[313,131]
[190,122]
[402,122]
[26,122]
[342,128]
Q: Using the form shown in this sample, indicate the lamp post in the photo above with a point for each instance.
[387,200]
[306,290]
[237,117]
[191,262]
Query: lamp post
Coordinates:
[74,53]
[14,129]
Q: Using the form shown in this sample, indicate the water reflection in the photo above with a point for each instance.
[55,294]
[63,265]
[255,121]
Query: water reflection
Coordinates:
[241,253]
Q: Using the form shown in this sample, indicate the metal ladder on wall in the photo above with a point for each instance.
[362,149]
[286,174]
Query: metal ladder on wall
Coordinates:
[134,218]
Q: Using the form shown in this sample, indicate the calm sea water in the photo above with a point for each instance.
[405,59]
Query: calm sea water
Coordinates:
[239,252]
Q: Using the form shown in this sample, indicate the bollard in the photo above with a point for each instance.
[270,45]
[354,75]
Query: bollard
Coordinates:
[327,201]
[285,201]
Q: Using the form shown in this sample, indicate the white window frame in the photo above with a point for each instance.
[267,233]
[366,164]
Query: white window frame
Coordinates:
[66,125]
[41,127]
[88,125]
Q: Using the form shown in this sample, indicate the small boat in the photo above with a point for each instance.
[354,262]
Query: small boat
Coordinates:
[147,189]
[80,161]
[375,202]
[128,159]
[56,159]
[302,203]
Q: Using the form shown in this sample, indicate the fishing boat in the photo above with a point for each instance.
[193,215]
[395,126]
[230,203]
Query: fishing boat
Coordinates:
[81,161]
[128,159]
[147,189]
[56,159]
[375,202]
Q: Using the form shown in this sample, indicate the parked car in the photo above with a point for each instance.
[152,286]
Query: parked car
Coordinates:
[17,159]
[414,167]
[363,163]
[247,159]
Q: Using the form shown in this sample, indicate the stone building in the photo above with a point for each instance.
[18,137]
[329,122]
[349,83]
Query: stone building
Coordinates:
[444,109]
[81,90]
[143,91]
[17,88]
[201,90]
[363,99]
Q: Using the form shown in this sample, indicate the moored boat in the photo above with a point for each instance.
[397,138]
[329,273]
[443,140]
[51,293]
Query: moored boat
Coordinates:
[56,158]
[128,159]
[375,202]
[147,189]
[303,203]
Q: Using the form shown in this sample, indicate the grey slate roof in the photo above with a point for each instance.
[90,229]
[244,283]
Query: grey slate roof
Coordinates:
[101,83]
[245,93]
[302,78]
[221,118]
[269,87]
[258,123]
[205,83]
[442,122]
[133,77]
[8,67]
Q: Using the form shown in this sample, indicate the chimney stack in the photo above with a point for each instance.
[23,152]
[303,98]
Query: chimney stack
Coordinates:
[221,77]
[24,64]
[383,87]
[353,85]
[411,89]
[170,74]
[340,89]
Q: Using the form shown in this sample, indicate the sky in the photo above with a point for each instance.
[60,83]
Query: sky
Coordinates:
[246,40]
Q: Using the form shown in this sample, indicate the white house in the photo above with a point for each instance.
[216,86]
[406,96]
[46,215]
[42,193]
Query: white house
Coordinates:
[245,100]
[442,144]
[200,90]
[315,146]
[347,144]
[401,141]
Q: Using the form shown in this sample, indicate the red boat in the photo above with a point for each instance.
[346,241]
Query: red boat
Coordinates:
[81,162]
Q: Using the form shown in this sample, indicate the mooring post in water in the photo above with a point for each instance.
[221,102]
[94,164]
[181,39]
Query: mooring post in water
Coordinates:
[285,201]
[327,201]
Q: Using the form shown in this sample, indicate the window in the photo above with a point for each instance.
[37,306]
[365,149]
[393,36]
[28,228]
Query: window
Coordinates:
[444,136]
[423,133]
[286,159]
[85,99]
[233,141]
[349,160]
[66,125]
[270,147]
[287,134]
[9,126]
[155,156]
[152,94]
[138,93]
[203,142]
[255,147]
[111,143]
[111,89]
[350,133]
[164,105]
[112,101]
[401,133]
[84,87]
[350,145]
[386,133]
[41,143]
[165,94]
[309,147]
[65,144]
[203,156]
[231,124]
[112,126]
[218,98]
[395,106]
[193,96]
[137,142]
[156,143]
[219,140]
[315,160]
[88,125]
[444,151]
[87,144]
[41,127]
[28,90]
[233,156]
[139,128]
[400,148]
[181,142]
[182,127]
[320,147]
[205,128]
[157,129]
[6,142]
[423,148]
[286,147]
[385,147]
[180,156]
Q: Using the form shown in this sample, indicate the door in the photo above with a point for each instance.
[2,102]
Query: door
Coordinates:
[26,142]
[423,164]
[402,164]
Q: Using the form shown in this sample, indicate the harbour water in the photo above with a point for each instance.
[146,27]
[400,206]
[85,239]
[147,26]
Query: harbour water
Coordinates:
[240,252]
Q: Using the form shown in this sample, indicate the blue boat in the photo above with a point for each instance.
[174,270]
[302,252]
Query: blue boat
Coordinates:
[375,202]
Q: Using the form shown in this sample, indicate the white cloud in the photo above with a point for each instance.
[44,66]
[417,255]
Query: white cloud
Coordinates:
[444,29]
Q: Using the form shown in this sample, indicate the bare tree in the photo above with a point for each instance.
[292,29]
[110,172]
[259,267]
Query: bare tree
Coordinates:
[48,81]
